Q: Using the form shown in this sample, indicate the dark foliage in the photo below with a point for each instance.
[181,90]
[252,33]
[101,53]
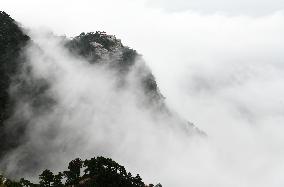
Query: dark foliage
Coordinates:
[89,44]
[74,172]
[127,59]
[104,172]
[86,45]
[46,178]
[98,172]
[12,40]
[57,180]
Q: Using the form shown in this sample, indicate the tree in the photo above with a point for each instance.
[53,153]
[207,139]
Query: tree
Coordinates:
[138,181]
[74,172]
[10,183]
[46,178]
[2,180]
[99,172]
[25,183]
[158,185]
[57,180]
[105,172]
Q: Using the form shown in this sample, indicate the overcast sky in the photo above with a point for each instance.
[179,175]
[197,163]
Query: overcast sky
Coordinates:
[229,7]
[109,14]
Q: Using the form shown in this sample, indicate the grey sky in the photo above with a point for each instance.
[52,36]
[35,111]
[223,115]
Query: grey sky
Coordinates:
[230,7]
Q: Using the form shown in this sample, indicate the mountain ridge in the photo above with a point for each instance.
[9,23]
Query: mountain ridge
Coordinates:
[20,87]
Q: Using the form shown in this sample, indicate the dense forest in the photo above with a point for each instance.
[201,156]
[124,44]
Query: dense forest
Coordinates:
[96,172]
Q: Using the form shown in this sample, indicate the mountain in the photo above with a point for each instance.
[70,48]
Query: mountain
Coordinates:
[96,47]
[27,98]
[100,47]
[12,40]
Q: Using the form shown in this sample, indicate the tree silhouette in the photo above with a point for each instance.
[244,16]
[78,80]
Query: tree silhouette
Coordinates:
[10,183]
[46,178]
[57,180]
[98,172]
[73,174]
[25,183]
[104,172]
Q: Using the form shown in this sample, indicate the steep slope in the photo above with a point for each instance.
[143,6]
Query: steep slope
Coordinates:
[96,47]
[41,109]
[12,40]
[99,47]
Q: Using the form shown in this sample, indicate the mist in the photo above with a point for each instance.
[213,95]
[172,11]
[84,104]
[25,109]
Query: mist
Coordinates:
[87,110]
[223,73]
